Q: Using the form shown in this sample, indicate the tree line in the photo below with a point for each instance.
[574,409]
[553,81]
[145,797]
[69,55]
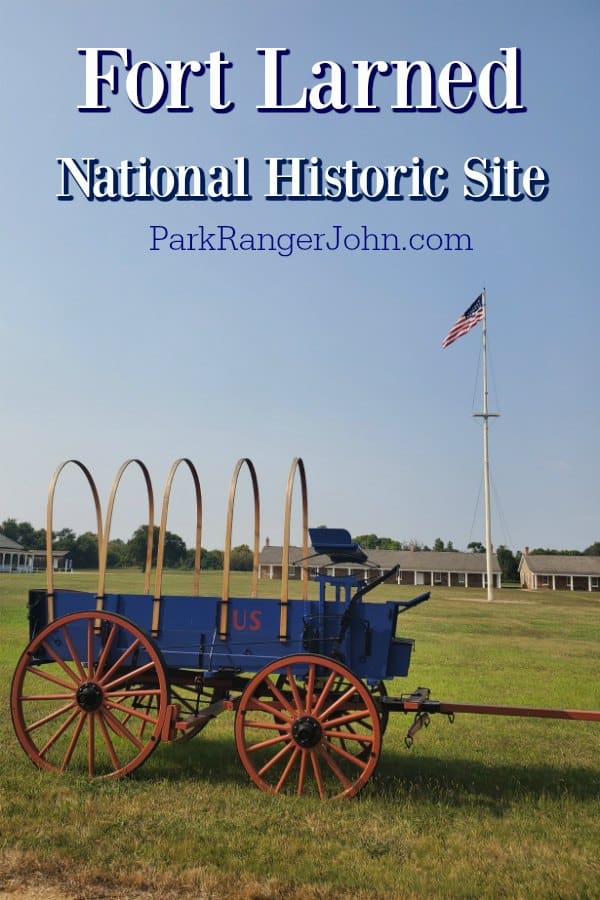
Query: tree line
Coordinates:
[83,548]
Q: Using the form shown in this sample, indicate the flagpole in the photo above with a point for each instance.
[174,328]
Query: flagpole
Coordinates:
[477,312]
[485,415]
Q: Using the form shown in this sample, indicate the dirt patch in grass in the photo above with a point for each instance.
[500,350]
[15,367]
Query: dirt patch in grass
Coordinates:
[22,877]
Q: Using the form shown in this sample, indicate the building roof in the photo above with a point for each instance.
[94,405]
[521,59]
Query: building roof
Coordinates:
[409,560]
[557,564]
[56,554]
[8,544]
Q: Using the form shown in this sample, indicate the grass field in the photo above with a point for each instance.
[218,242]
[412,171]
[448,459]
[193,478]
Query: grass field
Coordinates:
[486,807]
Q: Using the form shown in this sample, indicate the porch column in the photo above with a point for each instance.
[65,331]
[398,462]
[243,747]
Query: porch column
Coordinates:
[554,582]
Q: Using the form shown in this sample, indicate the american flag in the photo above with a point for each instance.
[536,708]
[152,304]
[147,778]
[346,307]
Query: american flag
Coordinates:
[468,320]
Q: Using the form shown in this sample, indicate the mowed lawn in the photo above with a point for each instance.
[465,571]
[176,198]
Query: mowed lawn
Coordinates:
[485,807]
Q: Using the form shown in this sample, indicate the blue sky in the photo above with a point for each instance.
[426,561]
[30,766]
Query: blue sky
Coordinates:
[112,351]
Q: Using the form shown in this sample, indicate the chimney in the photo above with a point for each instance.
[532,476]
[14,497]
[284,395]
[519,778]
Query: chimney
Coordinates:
[268,542]
[526,551]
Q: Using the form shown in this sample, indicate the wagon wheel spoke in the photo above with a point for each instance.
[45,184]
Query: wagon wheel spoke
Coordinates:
[117,665]
[275,759]
[268,726]
[132,712]
[270,708]
[286,772]
[298,703]
[310,687]
[109,744]
[350,736]
[122,730]
[279,696]
[377,691]
[318,775]
[48,676]
[73,653]
[350,757]
[109,716]
[269,742]
[74,676]
[358,716]
[328,735]
[91,720]
[137,692]
[105,655]
[51,741]
[144,708]
[335,705]
[302,774]
[37,697]
[73,742]
[128,676]
[50,717]
[323,695]
[335,769]
[90,652]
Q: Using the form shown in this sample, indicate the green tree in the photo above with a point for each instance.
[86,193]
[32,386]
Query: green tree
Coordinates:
[209,559]
[85,551]
[242,558]
[592,550]
[438,545]
[546,551]
[373,542]
[476,547]
[65,539]
[175,549]
[24,533]
[116,553]
[366,541]
[10,529]
[509,564]
[135,550]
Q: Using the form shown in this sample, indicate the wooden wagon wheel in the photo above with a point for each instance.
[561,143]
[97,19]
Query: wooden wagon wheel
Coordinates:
[97,703]
[291,728]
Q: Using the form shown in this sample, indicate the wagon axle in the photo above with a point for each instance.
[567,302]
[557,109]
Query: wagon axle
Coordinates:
[307,731]
[89,696]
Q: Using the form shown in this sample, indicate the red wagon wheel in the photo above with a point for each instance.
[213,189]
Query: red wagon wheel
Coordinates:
[291,728]
[90,694]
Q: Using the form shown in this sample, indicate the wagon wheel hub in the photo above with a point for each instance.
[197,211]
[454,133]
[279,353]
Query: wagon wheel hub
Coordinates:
[307,731]
[89,696]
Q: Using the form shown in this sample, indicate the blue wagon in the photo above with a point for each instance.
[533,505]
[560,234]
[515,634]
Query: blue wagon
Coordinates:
[107,676]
